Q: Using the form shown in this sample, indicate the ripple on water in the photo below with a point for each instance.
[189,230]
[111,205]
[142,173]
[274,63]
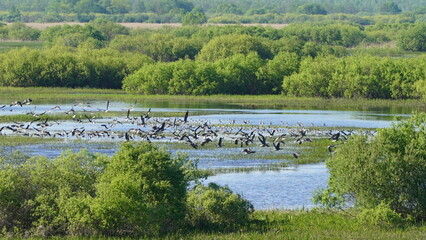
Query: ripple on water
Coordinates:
[286,189]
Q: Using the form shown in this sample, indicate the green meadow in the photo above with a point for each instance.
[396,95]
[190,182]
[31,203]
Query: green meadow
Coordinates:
[8,45]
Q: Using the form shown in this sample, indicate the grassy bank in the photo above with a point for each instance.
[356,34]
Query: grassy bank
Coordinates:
[8,95]
[301,224]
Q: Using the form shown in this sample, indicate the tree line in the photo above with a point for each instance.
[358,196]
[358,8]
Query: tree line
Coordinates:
[300,59]
[179,10]
[214,6]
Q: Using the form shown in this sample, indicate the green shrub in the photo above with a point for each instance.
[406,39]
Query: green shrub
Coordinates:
[389,167]
[142,192]
[214,206]
[381,215]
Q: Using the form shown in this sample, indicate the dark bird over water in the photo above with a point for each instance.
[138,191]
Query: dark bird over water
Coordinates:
[220,142]
[185,119]
[248,151]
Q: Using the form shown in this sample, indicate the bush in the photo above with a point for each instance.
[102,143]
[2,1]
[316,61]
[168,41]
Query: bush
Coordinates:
[214,206]
[228,45]
[142,192]
[139,191]
[414,38]
[36,193]
[389,167]
[381,215]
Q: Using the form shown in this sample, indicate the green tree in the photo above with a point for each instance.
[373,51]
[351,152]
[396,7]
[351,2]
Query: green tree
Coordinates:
[388,168]
[120,6]
[195,17]
[42,191]
[312,8]
[141,192]
[390,7]
[87,6]
[313,79]
[14,14]
[240,74]
[19,31]
[228,8]
[414,38]
[272,74]
[194,78]
[225,46]
[109,29]
[150,79]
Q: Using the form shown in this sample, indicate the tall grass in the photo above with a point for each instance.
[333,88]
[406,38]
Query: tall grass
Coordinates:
[8,94]
[313,224]
[21,140]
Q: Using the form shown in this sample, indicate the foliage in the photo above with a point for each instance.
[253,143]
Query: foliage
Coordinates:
[414,38]
[390,7]
[237,59]
[312,8]
[160,47]
[37,192]
[357,76]
[284,64]
[332,34]
[62,67]
[240,74]
[19,31]
[72,35]
[139,191]
[228,45]
[381,215]
[142,192]
[195,17]
[388,168]
[214,206]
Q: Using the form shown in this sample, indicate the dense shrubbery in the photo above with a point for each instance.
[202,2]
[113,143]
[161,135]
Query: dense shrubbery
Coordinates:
[18,31]
[358,77]
[260,11]
[225,46]
[237,74]
[414,38]
[214,206]
[139,191]
[331,34]
[63,67]
[160,47]
[300,60]
[385,173]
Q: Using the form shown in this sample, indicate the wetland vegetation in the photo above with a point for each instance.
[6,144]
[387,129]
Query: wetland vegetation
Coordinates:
[269,113]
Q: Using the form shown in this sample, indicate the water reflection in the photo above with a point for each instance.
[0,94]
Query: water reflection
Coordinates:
[289,189]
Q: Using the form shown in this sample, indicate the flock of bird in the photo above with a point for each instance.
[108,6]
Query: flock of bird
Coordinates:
[81,123]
